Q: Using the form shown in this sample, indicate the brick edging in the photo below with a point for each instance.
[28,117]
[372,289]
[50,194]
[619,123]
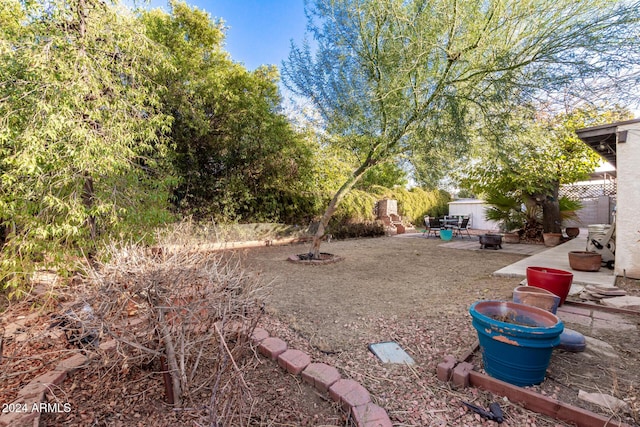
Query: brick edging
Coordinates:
[349,394]
[26,408]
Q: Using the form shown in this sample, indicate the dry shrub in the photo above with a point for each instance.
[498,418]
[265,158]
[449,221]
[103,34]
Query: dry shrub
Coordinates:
[189,311]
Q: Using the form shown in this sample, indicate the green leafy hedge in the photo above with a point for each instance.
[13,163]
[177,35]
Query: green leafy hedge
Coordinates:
[358,206]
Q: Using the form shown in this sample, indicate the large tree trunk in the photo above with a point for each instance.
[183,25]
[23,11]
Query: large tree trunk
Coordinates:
[551,219]
[335,201]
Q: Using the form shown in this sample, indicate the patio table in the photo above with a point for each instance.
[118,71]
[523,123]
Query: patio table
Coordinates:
[449,223]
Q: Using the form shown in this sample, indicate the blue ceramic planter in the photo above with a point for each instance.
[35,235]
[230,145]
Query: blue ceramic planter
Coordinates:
[516,340]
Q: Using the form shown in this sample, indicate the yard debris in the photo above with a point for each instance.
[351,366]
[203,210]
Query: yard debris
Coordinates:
[626,302]
[600,293]
[604,400]
[79,326]
[493,414]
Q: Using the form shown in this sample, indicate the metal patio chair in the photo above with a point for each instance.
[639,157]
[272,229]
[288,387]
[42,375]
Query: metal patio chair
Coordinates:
[433,226]
[463,226]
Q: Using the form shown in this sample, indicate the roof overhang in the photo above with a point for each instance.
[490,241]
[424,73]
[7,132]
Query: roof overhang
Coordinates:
[604,139]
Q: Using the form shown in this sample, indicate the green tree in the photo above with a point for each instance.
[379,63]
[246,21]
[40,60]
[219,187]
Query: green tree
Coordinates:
[80,128]
[391,76]
[387,174]
[237,155]
[533,162]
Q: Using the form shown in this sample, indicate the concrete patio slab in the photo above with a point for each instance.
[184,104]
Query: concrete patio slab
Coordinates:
[537,255]
[471,243]
[474,245]
[557,257]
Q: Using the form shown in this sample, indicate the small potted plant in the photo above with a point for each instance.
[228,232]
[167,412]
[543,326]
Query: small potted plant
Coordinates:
[569,213]
[568,209]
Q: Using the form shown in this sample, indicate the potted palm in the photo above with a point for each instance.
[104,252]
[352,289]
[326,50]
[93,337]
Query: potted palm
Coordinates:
[569,214]
[506,210]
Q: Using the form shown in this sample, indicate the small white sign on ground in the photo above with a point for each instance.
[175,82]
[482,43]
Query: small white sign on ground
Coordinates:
[391,352]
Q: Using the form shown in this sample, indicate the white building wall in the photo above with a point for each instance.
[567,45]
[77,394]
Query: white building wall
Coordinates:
[627,261]
[477,209]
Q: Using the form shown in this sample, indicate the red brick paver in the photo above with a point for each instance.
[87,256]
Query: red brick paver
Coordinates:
[370,415]
[20,410]
[321,376]
[259,335]
[349,393]
[461,374]
[50,378]
[272,347]
[445,368]
[294,361]
[72,363]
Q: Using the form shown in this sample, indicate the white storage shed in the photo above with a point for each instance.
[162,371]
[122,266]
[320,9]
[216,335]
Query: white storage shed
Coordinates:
[475,208]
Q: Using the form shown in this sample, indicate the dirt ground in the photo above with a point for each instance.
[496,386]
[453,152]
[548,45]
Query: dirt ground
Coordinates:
[379,278]
[417,293]
[409,290]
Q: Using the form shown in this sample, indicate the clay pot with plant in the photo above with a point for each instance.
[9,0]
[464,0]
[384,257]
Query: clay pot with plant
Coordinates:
[568,212]
[569,215]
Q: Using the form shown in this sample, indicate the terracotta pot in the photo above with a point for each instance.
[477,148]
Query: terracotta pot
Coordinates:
[572,232]
[551,279]
[585,261]
[552,239]
[511,238]
[536,297]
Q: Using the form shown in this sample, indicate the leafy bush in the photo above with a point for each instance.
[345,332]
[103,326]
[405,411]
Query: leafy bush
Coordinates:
[356,230]
[357,206]
[414,204]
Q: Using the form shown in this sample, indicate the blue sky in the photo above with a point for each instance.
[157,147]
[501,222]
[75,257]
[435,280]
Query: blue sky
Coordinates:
[260,31]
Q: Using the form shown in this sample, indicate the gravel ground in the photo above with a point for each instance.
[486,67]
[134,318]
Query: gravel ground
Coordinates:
[409,290]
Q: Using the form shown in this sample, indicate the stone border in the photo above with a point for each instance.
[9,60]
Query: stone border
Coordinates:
[349,394]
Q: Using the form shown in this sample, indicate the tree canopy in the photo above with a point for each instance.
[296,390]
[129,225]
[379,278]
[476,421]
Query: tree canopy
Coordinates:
[107,115]
[236,154]
[394,77]
[537,158]
[80,124]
